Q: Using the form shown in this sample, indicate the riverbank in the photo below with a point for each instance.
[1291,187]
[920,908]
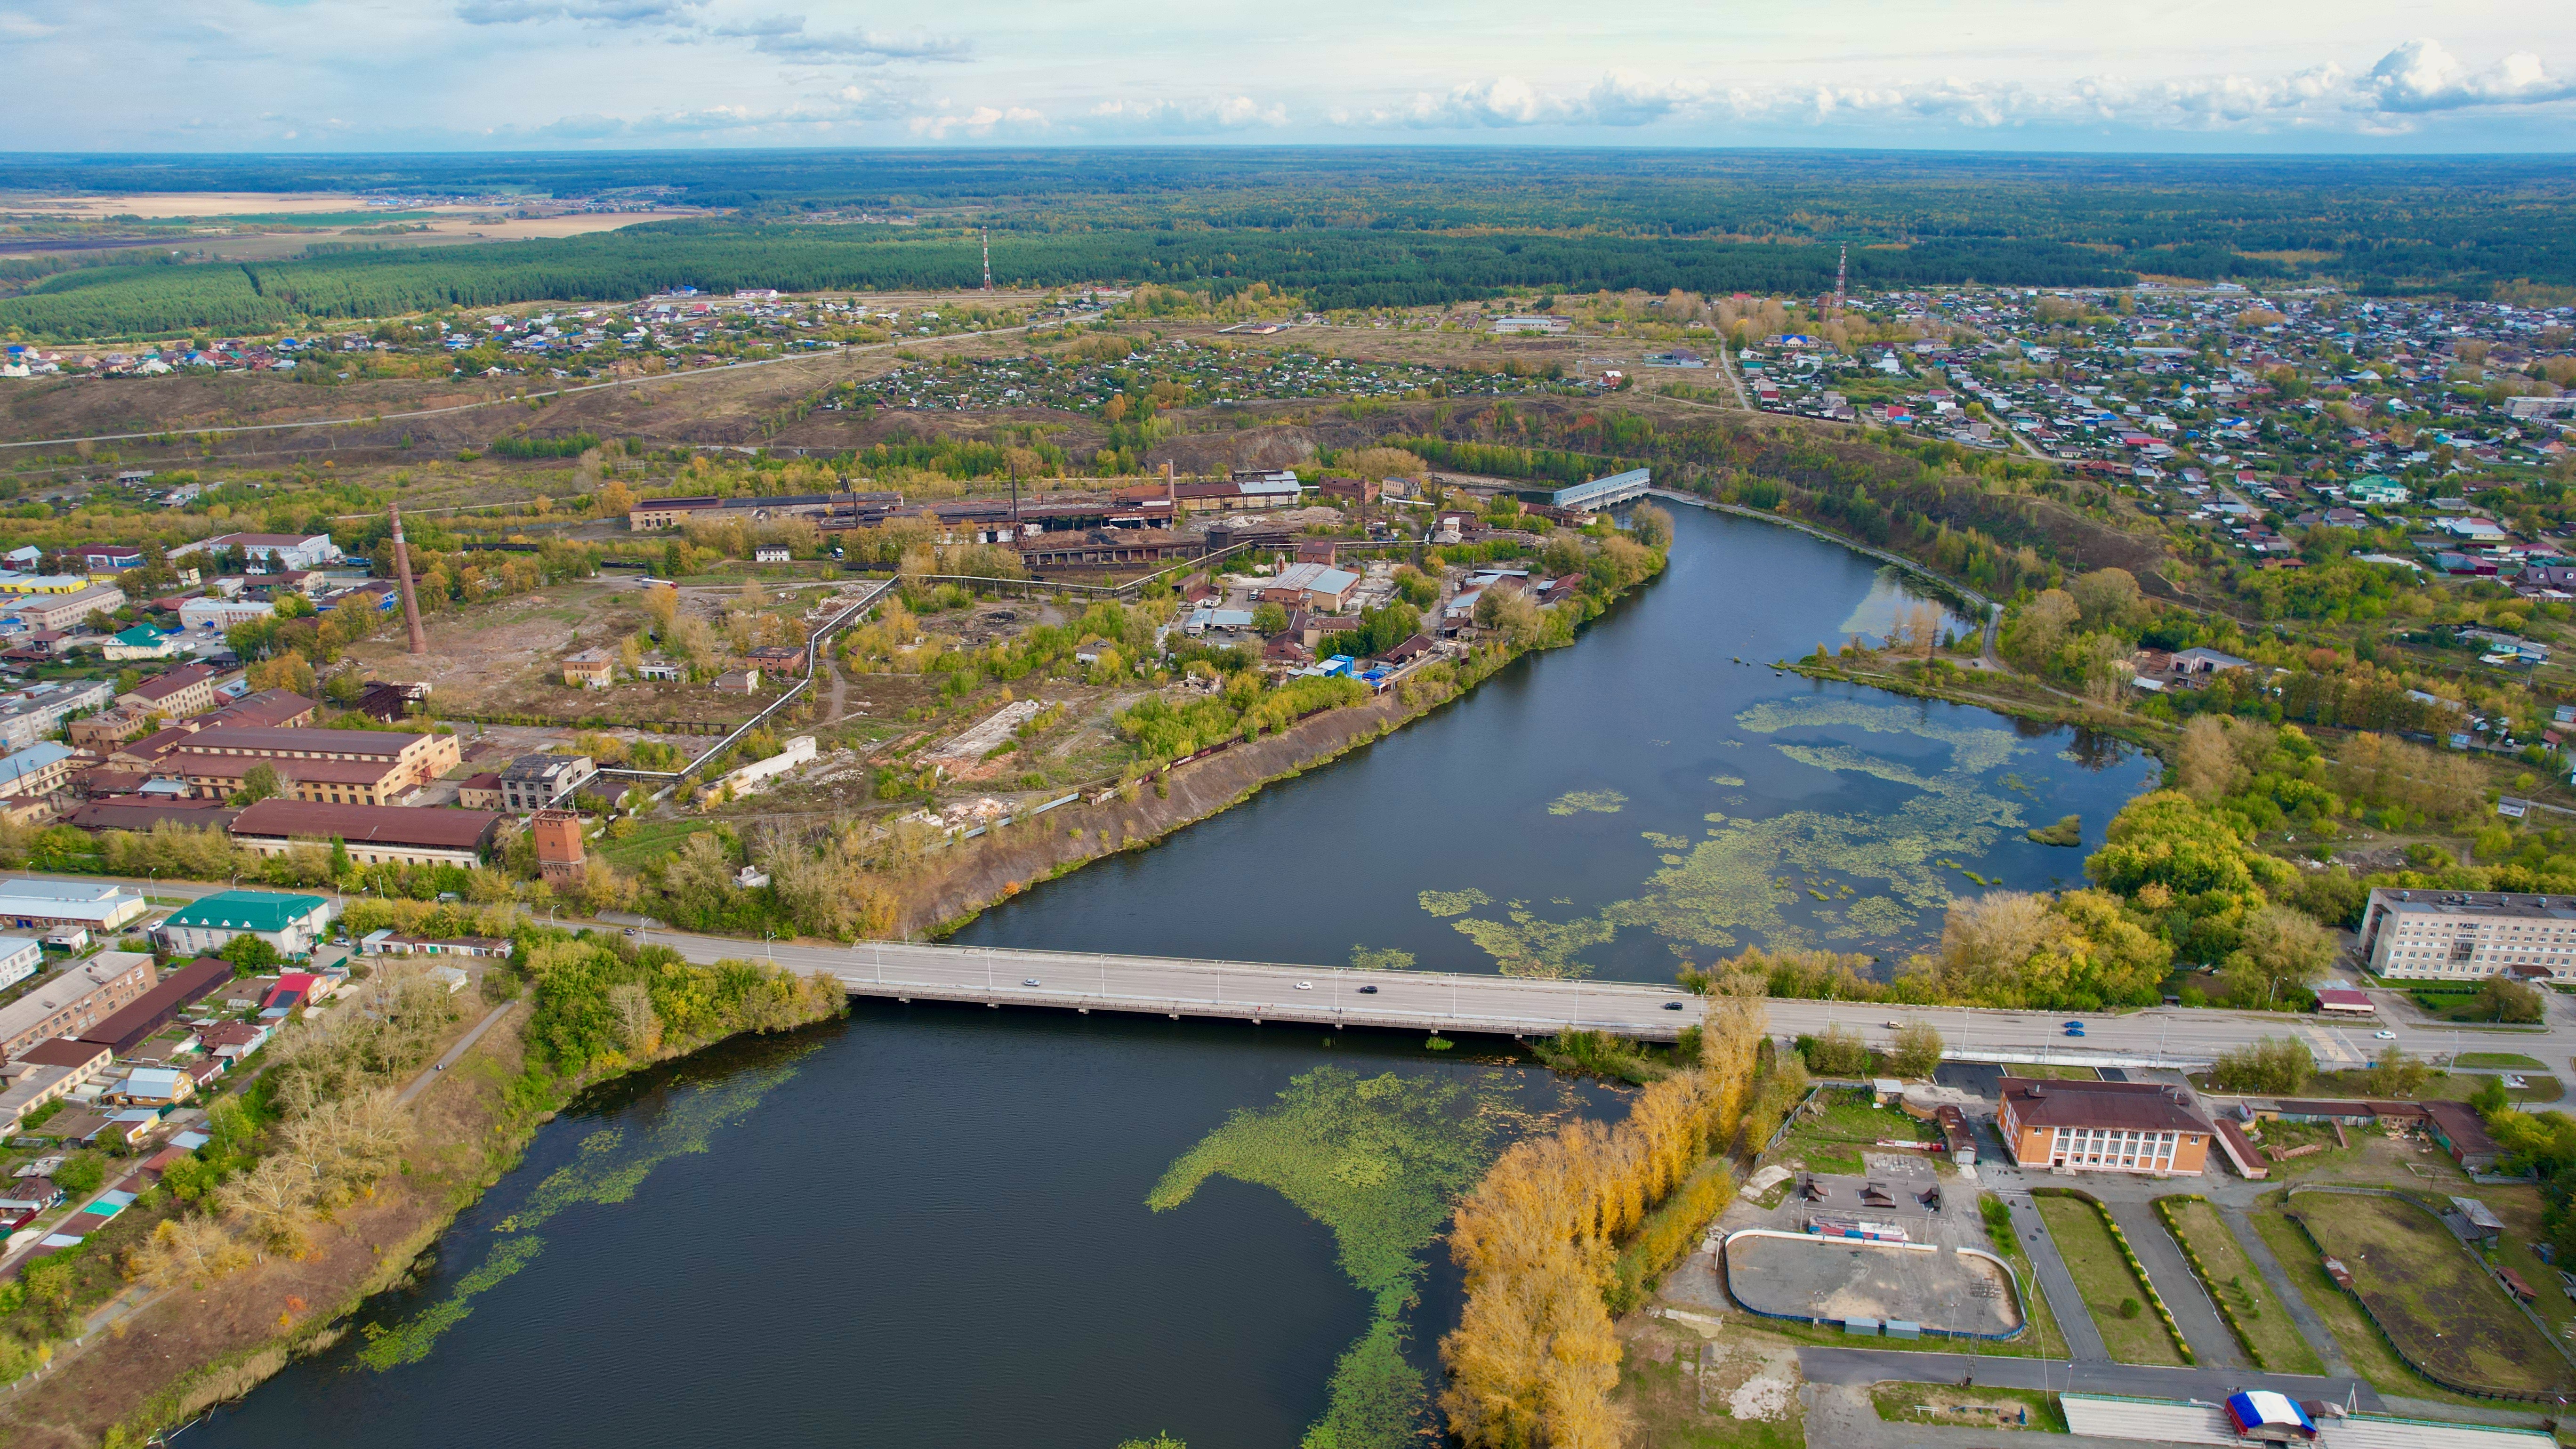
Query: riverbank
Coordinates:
[171,1352]
[1001,863]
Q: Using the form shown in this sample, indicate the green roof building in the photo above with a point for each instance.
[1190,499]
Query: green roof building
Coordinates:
[292,924]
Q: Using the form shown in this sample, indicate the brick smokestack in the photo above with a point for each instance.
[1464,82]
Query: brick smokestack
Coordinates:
[402,571]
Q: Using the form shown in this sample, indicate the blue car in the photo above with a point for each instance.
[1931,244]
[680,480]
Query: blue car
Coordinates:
[2075,1028]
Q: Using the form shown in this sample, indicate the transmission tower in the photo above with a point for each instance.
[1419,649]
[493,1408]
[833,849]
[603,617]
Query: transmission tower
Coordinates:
[988,261]
[1842,275]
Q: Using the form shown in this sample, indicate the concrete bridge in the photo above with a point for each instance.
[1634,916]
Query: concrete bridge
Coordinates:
[1245,990]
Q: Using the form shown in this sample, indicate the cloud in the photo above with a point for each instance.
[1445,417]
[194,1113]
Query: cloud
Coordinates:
[1197,117]
[596,12]
[978,123]
[2421,76]
[785,36]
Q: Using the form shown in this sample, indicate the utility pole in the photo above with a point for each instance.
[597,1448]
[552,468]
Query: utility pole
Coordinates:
[402,571]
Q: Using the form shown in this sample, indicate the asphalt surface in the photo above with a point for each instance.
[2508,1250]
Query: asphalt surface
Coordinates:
[2162,1036]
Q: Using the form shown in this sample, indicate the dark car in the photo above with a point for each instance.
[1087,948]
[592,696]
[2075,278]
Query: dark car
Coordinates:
[1672,1006]
[1368,991]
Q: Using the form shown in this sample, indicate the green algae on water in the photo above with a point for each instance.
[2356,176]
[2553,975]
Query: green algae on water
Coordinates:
[1581,802]
[1379,1161]
[1453,903]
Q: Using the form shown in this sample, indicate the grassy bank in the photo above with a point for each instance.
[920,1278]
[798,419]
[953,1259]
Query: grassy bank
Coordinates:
[226,1295]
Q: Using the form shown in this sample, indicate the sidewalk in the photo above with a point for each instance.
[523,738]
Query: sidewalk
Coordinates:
[2174,1281]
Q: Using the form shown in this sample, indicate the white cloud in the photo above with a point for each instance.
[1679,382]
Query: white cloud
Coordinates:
[1198,117]
[785,36]
[2421,76]
[977,123]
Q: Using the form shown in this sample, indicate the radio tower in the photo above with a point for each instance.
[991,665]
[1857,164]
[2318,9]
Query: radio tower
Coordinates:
[402,571]
[1842,274]
[988,260]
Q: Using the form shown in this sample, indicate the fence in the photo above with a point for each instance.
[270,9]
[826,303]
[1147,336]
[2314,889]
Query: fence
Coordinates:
[2372,1314]
[1726,1275]
[814,650]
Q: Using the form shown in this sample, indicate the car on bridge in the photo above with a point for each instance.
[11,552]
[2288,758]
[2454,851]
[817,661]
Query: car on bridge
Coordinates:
[1672,1006]
[1368,991]
[1028,981]
[2075,1028]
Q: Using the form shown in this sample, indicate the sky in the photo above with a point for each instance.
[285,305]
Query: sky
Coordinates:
[2148,75]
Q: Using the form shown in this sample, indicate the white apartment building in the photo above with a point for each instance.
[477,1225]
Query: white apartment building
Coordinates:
[2465,935]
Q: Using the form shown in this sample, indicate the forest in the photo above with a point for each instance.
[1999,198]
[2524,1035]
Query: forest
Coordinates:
[1344,228]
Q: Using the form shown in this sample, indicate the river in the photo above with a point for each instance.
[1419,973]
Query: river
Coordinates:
[929,1225]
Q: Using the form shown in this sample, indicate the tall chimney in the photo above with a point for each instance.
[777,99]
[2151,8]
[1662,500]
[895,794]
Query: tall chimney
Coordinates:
[402,571]
[1171,493]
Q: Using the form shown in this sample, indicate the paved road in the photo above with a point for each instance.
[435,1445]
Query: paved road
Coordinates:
[2180,1288]
[2311,1327]
[452,1055]
[2065,1302]
[2168,1036]
[1876,1365]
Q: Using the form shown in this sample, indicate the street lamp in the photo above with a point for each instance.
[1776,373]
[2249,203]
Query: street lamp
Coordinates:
[765,938]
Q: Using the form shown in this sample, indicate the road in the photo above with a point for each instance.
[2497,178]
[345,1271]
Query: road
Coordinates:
[1473,1001]
[452,1055]
[1863,1366]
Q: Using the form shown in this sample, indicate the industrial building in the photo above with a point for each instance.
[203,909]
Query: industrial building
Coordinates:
[535,782]
[367,767]
[372,834]
[43,905]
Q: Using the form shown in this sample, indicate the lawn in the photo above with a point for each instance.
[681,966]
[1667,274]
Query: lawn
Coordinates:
[2369,1353]
[2122,1307]
[2233,1280]
[1849,1126]
[1904,1403]
[2433,1296]
[653,840]
[2044,1337]
[2503,1061]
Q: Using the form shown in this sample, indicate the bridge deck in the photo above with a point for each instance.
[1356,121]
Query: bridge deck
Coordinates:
[1254,991]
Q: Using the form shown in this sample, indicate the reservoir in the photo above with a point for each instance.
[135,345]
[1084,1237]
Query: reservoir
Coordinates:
[931,1226]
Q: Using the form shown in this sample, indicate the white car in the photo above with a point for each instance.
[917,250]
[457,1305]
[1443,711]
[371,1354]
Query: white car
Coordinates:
[1305,985]
[2383,1036]
[2516,1083]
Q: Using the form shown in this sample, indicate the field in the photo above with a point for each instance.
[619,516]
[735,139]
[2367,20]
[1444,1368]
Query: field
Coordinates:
[2234,1281]
[2083,1237]
[2434,1298]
